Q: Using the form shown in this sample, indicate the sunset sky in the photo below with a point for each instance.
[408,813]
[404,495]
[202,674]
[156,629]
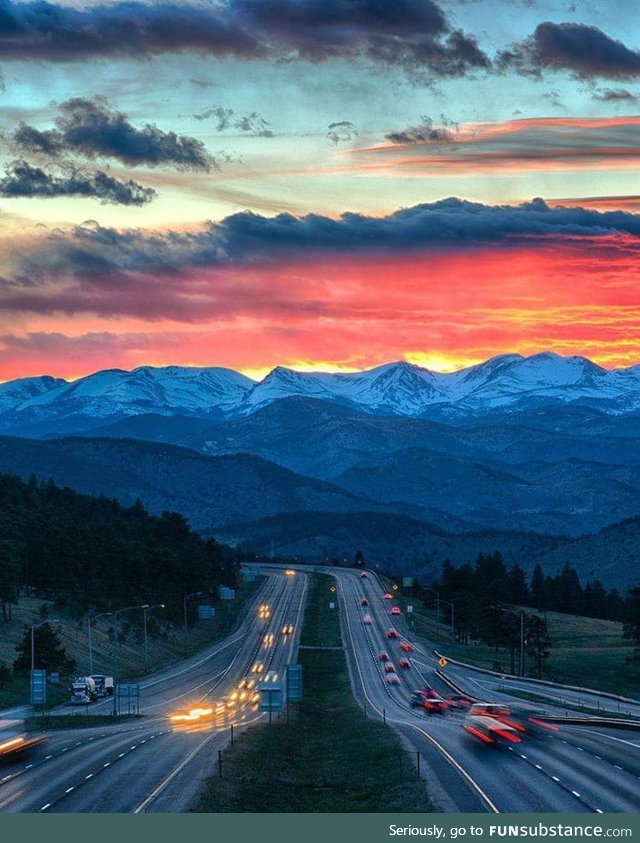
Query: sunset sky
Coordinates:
[321,184]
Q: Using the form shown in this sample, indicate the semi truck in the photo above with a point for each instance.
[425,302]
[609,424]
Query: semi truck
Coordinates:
[104,684]
[83,691]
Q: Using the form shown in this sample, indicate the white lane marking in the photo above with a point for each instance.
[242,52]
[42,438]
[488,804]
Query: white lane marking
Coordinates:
[598,811]
[599,757]
[90,776]
[575,793]
[580,749]
[634,744]
[121,755]
[69,789]
[555,778]
[475,786]
[538,767]
[44,807]
[617,766]
[135,746]
[108,764]
[47,757]
[6,778]
[65,749]
[29,766]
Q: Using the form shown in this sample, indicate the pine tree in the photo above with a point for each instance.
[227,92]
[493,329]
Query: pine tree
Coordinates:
[49,653]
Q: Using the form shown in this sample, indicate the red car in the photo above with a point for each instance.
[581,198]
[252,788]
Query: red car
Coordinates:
[389,668]
[405,664]
[364,574]
[395,611]
[388,596]
[384,657]
[407,647]
[459,701]
[392,633]
[429,700]
[393,679]
[364,602]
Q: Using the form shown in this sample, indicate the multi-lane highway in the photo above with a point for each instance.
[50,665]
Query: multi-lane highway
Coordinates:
[156,763]
[577,769]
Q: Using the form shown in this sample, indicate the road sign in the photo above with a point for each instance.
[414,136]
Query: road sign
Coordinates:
[407,582]
[333,588]
[409,608]
[38,687]
[294,683]
[205,612]
[226,593]
[128,695]
[332,605]
[271,697]
[442,662]
[395,586]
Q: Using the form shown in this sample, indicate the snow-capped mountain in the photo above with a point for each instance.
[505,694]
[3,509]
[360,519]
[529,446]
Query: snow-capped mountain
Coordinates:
[392,389]
[114,393]
[38,406]
[14,393]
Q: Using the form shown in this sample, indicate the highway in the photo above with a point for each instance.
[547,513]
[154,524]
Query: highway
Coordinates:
[156,764]
[576,769]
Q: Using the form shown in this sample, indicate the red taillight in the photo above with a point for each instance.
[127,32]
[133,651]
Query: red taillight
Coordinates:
[549,726]
[478,734]
[508,736]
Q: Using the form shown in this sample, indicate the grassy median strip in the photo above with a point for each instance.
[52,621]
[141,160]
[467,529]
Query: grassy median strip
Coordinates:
[328,756]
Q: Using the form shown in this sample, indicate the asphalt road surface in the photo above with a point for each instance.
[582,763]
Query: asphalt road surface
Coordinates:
[156,763]
[576,769]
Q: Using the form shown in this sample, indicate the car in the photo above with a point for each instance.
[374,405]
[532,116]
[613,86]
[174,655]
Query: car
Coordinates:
[364,574]
[429,700]
[392,633]
[405,664]
[521,720]
[384,657]
[407,646]
[395,611]
[392,679]
[388,596]
[367,619]
[287,629]
[459,701]
[488,729]
[364,602]
[258,667]
[389,667]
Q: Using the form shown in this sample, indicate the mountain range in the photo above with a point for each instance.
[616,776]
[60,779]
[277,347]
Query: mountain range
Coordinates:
[538,457]
[509,383]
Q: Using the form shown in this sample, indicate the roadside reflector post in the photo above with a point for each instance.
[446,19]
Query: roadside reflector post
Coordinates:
[418,762]
[220,763]
[384,716]
[232,734]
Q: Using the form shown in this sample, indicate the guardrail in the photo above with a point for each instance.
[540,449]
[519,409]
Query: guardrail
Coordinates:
[615,723]
[546,682]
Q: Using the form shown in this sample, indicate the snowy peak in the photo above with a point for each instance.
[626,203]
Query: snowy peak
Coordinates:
[508,382]
[14,393]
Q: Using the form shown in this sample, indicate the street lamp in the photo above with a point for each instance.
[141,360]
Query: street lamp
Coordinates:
[146,608]
[437,594]
[33,648]
[522,614]
[115,652]
[90,620]
[185,598]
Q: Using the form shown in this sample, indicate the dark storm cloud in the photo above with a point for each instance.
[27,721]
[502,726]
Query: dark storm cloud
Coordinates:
[226,118]
[246,238]
[414,35]
[21,180]
[426,132]
[585,51]
[613,95]
[341,131]
[91,129]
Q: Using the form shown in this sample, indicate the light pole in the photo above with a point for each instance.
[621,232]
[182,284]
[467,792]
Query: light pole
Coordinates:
[522,614]
[115,653]
[33,648]
[146,608]
[90,620]
[437,594]
[185,598]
